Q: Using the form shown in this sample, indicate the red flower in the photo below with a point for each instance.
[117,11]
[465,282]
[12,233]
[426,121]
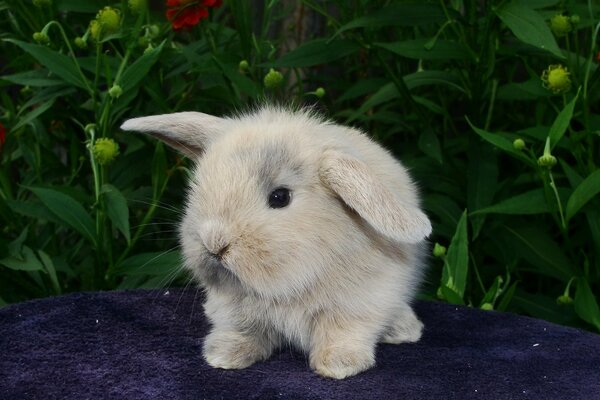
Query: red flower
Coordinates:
[2,136]
[188,13]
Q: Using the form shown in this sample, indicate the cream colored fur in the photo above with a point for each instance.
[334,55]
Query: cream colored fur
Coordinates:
[332,273]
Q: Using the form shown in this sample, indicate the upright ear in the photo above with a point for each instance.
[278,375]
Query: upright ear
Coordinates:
[363,191]
[187,132]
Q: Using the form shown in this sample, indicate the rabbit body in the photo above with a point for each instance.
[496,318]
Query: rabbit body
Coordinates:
[333,272]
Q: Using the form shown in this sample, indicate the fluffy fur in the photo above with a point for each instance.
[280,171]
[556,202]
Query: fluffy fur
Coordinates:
[332,273]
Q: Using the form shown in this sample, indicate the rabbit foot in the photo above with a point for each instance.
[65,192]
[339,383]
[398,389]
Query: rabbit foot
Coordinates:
[340,363]
[233,350]
[406,330]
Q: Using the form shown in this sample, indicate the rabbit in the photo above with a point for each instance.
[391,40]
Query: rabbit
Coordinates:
[301,232]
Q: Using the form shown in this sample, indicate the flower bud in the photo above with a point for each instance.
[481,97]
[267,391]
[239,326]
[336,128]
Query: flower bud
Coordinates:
[560,25]
[95,30]
[320,92]
[556,78]
[80,42]
[487,306]
[547,160]
[243,66]
[41,38]
[110,19]
[564,300]
[273,79]
[148,49]
[575,19]
[439,250]
[137,6]
[519,144]
[105,150]
[115,91]
[153,31]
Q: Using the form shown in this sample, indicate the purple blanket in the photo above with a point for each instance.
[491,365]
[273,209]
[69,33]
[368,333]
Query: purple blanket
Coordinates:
[147,344]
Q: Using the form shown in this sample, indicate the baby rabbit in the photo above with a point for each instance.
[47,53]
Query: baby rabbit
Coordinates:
[300,231]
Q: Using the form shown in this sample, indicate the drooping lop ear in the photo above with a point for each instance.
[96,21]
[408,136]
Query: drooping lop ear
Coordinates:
[188,132]
[364,192]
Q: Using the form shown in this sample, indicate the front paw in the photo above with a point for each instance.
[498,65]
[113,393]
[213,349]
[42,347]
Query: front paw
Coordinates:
[340,363]
[233,350]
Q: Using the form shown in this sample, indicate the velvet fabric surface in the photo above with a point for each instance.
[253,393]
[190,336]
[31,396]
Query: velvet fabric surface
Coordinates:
[147,345]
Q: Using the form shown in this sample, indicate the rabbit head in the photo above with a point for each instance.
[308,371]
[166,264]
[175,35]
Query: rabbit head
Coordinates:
[278,199]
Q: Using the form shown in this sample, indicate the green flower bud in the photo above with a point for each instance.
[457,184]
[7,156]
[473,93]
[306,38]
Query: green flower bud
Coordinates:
[519,144]
[564,300]
[42,3]
[547,160]
[273,79]
[439,250]
[487,306]
[95,30]
[137,6]
[560,25]
[105,150]
[243,66]
[80,42]
[115,91]
[556,78]
[153,31]
[320,92]
[148,49]
[575,19]
[41,38]
[110,19]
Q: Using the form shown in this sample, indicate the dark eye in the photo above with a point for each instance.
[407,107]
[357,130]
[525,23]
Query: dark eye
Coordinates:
[279,198]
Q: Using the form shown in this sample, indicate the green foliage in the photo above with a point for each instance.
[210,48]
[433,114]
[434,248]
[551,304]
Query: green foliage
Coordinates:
[492,112]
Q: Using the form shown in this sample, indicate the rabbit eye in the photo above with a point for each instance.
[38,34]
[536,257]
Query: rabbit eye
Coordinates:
[279,198]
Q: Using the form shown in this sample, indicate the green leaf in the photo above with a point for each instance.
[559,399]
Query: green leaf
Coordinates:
[34,210]
[482,181]
[49,266]
[541,306]
[443,49]
[61,65]
[532,202]
[507,297]
[585,303]
[493,292]
[159,170]
[430,145]
[68,210]
[137,71]
[423,78]
[245,84]
[562,121]
[116,209]
[534,245]
[318,51]
[398,15]
[26,261]
[158,263]
[35,78]
[36,112]
[456,263]
[361,88]
[583,193]
[501,142]
[528,26]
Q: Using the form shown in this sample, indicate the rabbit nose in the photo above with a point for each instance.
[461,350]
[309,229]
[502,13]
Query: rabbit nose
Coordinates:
[215,239]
